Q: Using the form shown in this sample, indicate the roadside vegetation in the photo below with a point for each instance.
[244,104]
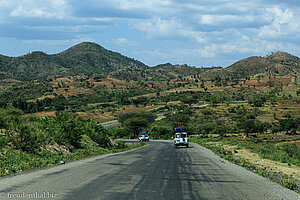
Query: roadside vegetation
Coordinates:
[29,142]
[51,116]
[279,149]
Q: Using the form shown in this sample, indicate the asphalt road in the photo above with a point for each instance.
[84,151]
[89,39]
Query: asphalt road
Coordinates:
[157,171]
[110,123]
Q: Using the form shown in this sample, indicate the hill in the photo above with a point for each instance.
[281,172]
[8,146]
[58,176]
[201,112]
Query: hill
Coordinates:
[85,57]
[91,58]
[279,63]
[276,64]
[161,72]
[36,65]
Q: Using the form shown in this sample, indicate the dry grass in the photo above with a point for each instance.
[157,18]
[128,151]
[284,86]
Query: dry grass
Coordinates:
[255,159]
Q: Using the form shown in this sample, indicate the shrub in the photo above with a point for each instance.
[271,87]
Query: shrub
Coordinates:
[257,101]
[3,141]
[142,114]
[161,132]
[97,133]
[289,125]
[292,150]
[221,130]
[64,128]
[24,139]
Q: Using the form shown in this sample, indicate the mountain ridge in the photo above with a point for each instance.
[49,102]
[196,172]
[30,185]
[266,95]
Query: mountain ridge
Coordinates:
[83,58]
[91,58]
[279,63]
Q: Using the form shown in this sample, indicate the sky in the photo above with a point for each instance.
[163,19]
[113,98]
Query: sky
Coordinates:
[194,32]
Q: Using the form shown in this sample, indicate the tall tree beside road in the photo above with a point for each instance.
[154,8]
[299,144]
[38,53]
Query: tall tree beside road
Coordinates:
[133,114]
[136,121]
[136,125]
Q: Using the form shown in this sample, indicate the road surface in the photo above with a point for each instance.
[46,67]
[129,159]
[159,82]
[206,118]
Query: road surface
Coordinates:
[110,123]
[156,171]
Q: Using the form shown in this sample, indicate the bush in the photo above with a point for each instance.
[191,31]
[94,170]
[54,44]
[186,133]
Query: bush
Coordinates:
[289,125]
[3,141]
[257,101]
[121,132]
[120,145]
[292,150]
[97,133]
[221,130]
[150,117]
[65,128]
[161,132]
[23,139]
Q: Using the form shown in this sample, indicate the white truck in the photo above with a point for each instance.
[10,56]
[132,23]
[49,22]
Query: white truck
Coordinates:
[181,137]
[144,138]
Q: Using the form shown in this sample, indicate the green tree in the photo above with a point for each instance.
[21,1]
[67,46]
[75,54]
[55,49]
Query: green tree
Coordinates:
[136,125]
[65,128]
[123,116]
[161,132]
[97,133]
[289,125]
[24,139]
[257,101]
[178,119]
[213,100]
[247,126]
[120,132]
[140,101]
[221,130]
[246,123]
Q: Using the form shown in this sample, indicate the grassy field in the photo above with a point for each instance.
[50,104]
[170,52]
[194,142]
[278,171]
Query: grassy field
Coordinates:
[275,157]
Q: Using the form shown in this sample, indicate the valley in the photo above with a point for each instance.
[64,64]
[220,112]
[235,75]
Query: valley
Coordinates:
[51,107]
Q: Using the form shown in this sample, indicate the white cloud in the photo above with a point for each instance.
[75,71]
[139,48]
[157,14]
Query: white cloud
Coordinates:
[60,42]
[175,29]
[158,28]
[242,45]
[124,42]
[175,56]
[169,29]
[218,20]
[36,9]
[284,22]
[142,4]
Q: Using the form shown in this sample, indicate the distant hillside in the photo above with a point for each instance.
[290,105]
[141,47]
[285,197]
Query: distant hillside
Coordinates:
[276,64]
[173,71]
[82,58]
[160,72]
[36,65]
[91,58]
[4,60]
[279,63]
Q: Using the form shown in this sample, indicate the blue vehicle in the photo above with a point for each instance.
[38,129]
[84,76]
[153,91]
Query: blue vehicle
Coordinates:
[181,137]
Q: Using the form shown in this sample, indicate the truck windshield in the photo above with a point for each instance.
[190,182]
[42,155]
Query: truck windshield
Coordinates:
[182,135]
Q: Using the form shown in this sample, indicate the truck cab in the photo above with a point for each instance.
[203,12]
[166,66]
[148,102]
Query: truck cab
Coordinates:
[181,137]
